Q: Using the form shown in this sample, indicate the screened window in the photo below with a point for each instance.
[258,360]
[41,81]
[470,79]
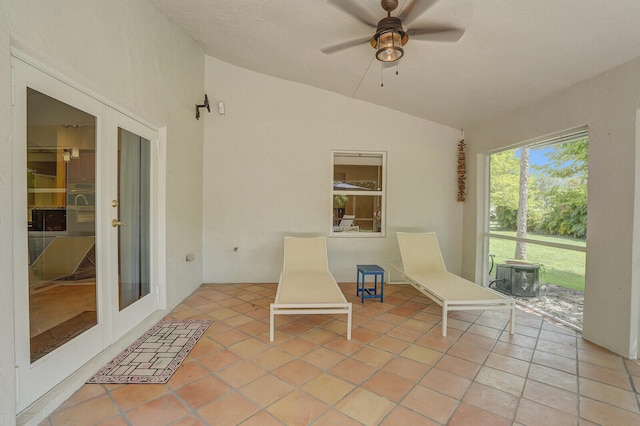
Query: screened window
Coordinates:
[538,219]
[357,193]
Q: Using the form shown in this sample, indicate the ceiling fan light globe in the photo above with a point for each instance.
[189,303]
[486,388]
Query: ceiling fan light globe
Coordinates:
[389,55]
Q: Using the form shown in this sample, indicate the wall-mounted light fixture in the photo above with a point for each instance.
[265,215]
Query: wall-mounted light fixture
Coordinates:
[204,105]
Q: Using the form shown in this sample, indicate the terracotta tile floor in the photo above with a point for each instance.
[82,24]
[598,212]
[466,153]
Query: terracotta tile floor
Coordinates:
[397,370]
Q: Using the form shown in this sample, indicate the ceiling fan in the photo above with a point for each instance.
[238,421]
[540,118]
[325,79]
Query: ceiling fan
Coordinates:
[390,36]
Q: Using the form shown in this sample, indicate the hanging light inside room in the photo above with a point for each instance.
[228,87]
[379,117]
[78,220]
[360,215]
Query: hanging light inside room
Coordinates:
[389,39]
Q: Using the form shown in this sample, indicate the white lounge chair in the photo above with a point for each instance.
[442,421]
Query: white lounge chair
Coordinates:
[423,267]
[306,286]
[59,260]
[346,224]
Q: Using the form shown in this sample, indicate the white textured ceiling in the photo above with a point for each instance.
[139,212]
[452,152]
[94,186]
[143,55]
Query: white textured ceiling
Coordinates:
[512,53]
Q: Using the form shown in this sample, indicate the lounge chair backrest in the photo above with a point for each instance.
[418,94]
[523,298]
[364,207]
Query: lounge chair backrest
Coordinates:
[420,252]
[346,221]
[305,254]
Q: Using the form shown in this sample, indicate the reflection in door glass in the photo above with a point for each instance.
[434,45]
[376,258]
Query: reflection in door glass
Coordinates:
[133,214]
[60,211]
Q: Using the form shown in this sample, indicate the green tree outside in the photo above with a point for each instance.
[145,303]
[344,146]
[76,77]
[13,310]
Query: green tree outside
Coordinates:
[557,196]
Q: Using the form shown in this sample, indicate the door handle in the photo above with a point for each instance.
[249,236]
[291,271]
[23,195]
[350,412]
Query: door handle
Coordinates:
[115,223]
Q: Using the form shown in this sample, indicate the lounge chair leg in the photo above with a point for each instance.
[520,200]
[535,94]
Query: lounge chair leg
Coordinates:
[271,318]
[444,320]
[349,312]
[512,326]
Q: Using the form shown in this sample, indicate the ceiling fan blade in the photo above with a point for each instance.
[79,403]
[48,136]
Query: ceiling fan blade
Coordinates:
[355,10]
[344,45]
[435,34]
[413,9]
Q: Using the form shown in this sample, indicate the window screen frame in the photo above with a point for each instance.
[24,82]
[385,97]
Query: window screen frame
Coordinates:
[361,157]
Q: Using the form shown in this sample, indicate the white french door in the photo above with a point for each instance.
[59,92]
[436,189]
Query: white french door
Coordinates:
[133,195]
[85,234]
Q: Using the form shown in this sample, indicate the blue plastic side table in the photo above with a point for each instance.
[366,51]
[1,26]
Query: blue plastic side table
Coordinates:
[370,292]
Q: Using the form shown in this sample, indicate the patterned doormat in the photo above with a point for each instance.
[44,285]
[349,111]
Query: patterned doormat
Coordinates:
[52,339]
[155,356]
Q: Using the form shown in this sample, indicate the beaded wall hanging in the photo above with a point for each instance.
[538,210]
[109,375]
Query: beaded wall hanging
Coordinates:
[462,170]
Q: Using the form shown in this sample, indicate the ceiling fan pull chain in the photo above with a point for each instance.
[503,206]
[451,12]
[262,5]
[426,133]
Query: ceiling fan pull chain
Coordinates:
[381,74]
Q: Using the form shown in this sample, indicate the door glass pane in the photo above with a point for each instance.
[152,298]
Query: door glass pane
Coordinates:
[60,209]
[133,213]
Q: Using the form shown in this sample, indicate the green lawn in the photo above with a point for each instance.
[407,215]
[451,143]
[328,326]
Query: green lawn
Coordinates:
[557,266]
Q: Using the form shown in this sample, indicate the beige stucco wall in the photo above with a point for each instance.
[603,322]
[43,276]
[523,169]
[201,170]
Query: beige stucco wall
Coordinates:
[268,174]
[607,104]
[130,55]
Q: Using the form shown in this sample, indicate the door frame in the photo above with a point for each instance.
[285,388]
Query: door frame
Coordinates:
[33,380]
